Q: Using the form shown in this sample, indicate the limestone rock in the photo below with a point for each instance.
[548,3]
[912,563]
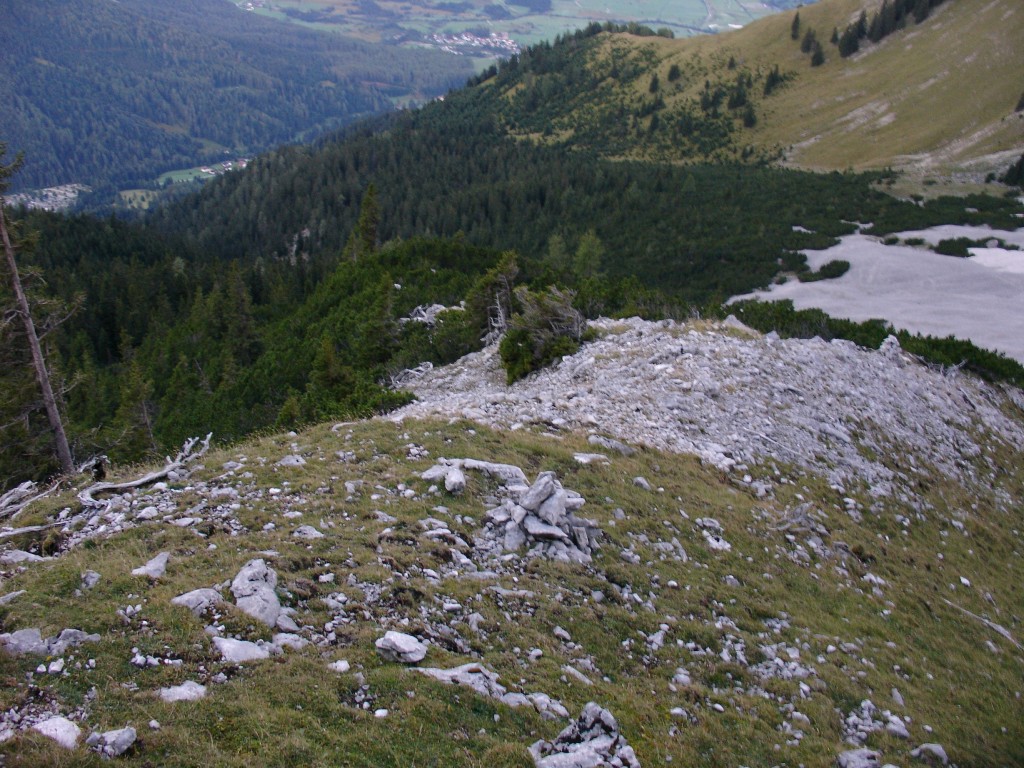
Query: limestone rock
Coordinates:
[238,651]
[400,647]
[897,728]
[155,568]
[198,600]
[611,445]
[31,641]
[455,481]
[307,532]
[187,691]
[475,676]
[60,729]
[116,743]
[18,556]
[254,593]
[24,641]
[859,758]
[590,742]
[932,753]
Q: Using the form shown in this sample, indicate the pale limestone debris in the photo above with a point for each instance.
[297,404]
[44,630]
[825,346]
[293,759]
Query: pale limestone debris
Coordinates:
[738,400]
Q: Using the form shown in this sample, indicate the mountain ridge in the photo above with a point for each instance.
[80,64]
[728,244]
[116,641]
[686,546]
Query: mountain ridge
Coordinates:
[894,104]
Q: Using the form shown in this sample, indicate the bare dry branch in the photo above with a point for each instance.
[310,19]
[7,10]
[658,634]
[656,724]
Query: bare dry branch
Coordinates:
[997,628]
[186,455]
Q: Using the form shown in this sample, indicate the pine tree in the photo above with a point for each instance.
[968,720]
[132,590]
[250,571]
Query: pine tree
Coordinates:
[849,43]
[589,254]
[817,55]
[363,239]
[807,44]
[794,29]
[773,81]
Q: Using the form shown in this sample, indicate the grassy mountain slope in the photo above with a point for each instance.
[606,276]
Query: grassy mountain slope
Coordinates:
[815,609]
[938,94]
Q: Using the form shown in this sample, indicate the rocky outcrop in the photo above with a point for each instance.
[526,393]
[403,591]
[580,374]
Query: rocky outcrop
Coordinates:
[737,400]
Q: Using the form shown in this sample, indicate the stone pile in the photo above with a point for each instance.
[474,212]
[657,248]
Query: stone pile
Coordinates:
[542,520]
[539,517]
[593,741]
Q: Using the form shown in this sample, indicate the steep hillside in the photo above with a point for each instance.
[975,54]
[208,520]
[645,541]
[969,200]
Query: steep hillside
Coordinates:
[104,93]
[939,95]
[839,578]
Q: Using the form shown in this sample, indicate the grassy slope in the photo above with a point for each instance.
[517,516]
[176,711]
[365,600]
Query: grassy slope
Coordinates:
[939,95]
[294,712]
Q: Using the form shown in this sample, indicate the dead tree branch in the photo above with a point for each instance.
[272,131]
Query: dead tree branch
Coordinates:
[997,628]
[186,455]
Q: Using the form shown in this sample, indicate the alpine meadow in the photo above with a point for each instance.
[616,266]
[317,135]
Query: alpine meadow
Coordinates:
[428,407]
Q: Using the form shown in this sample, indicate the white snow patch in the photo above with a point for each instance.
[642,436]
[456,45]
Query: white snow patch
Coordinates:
[978,298]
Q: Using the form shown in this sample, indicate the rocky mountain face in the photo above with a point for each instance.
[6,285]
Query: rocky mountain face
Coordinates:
[687,543]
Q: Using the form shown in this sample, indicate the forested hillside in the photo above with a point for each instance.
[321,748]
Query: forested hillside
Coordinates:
[106,93]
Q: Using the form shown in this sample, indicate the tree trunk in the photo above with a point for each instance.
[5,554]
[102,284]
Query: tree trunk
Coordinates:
[67,465]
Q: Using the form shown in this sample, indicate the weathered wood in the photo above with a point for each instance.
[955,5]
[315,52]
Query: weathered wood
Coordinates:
[997,628]
[185,456]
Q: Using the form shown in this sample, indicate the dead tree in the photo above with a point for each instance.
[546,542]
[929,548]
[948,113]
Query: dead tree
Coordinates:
[67,465]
